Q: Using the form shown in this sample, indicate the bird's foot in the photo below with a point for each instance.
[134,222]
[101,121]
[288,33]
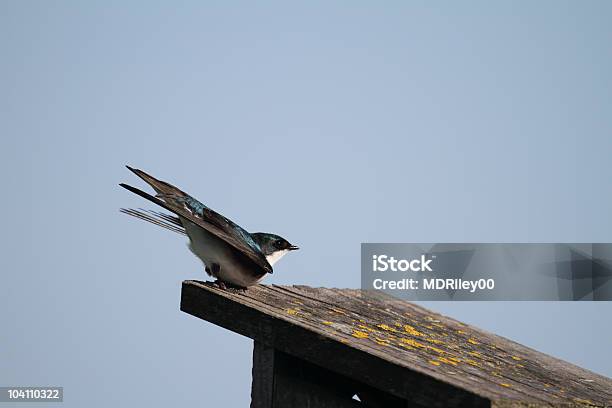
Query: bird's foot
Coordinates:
[220,284]
[229,287]
[238,289]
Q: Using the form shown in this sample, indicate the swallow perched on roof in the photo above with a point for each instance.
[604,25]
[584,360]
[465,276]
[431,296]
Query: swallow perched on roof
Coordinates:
[229,253]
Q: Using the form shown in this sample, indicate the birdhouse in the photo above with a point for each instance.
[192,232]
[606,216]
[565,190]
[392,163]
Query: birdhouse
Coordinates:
[333,348]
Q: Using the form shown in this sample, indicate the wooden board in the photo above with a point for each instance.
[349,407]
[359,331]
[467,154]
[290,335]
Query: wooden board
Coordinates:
[281,380]
[397,347]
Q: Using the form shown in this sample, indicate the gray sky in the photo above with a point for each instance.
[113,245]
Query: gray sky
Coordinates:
[330,124]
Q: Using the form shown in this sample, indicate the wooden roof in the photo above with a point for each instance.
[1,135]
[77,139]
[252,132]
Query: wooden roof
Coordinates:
[397,347]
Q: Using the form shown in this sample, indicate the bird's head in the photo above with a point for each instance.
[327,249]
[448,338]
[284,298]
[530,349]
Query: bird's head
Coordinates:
[274,247]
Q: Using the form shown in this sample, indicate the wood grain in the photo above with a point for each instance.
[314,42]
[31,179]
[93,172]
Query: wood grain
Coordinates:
[397,347]
[262,389]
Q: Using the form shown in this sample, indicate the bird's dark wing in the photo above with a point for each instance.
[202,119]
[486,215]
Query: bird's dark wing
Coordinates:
[182,204]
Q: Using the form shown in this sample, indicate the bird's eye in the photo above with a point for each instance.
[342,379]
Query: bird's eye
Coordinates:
[279,244]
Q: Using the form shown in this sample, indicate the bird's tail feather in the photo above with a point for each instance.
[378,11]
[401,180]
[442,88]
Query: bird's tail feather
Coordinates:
[160,219]
[162,188]
[161,203]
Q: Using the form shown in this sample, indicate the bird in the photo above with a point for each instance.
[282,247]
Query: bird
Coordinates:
[230,254]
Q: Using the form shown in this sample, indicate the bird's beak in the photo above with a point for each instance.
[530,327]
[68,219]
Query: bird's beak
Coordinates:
[293,247]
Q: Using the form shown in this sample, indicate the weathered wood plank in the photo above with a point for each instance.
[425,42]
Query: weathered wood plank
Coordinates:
[299,384]
[281,380]
[397,347]
[245,318]
[262,389]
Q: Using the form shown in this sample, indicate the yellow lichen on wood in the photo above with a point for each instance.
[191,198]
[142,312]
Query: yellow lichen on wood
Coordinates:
[447,361]
[386,328]
[516,358]
[292,312]
[364,327]
[436,363]
[382,342]
[585,401]
[325,322]
[411,330]
[472,341]
[434,341]
[413,343]
[505,385]
[359,334]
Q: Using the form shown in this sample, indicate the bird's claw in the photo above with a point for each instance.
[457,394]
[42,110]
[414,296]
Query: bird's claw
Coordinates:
[220,284]
[229,287]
